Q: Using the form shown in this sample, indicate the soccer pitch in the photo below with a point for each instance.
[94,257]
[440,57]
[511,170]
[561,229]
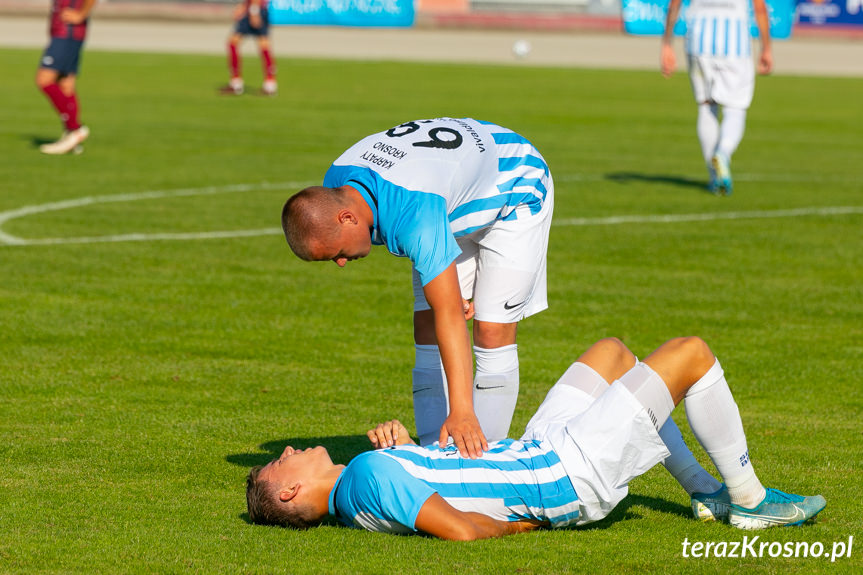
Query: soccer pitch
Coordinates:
[159,339]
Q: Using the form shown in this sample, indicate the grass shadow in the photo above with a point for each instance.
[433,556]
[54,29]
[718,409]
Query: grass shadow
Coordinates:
[639,177]
[36,141]
[627,510]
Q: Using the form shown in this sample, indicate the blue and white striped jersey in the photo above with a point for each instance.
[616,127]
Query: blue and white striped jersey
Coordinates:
[384,490]
[431,181]
[719,28]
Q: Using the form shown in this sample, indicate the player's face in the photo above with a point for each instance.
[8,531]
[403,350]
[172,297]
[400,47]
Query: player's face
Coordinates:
[294,463]
[354,242]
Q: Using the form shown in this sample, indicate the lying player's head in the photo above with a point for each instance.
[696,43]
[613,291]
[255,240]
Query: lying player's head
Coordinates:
[278,493]
[320,224]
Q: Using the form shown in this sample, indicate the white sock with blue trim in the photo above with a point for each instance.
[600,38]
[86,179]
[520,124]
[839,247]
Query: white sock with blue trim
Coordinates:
[715,421]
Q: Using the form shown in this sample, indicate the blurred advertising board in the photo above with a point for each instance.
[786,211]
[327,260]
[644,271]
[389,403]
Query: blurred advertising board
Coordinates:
[830,12]
[378,13]
[647,17]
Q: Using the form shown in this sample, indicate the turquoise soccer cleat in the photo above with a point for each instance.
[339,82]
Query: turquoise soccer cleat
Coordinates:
[711,506]
[722,167]
[776,509]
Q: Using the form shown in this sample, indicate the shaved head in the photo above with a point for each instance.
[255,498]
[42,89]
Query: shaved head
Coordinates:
[310,218]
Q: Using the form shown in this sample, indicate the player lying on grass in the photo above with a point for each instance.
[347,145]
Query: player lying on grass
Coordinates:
[580,450]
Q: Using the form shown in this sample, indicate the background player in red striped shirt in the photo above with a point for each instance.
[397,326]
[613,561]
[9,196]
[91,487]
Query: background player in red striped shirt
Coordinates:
[58,70]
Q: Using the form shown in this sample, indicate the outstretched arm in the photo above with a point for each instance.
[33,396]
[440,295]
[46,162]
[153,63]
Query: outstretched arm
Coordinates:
[439,518]
[668,60]
[443,294]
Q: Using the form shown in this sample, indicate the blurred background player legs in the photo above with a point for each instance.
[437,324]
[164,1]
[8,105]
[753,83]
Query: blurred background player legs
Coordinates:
[730,134]
[58,70]
[61,93]
[707,128]
[252,19]
[719,140]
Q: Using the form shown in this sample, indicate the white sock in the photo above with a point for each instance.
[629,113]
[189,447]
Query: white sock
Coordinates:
[707,127]
[682,465]
[495,389]
[430,394]
[649,389]
[715,421]
[731,130]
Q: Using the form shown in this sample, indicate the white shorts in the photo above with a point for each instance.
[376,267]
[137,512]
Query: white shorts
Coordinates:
[602,443]
[726,81]
[502,268]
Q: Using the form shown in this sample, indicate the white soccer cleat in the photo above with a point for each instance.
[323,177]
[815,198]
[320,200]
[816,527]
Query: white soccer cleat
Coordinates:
[270,88]
[68,142]
[235,87]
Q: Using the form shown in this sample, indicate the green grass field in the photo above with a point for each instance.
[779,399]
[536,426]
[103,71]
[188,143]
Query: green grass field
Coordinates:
[140,380]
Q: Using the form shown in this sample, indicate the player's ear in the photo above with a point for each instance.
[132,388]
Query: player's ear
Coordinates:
[347,217]
[289,492]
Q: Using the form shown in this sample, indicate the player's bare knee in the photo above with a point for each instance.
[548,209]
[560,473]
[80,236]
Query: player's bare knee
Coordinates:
[490,335]
[696,350]
[44,78]
[618,350]
[609,357]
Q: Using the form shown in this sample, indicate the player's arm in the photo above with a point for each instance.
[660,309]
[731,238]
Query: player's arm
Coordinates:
[667,57]
[443,294]
[762,20]
[439,518]
[77,16]
[255,7]
[389,433]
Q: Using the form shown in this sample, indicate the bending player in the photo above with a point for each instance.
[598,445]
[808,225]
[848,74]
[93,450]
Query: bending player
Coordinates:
[580,450]
[470,204]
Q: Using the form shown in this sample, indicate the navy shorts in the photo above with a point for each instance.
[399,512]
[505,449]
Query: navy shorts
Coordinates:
[62,55]
[244,27]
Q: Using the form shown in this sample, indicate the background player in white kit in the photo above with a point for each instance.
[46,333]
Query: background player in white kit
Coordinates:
[470,203]
[719,52]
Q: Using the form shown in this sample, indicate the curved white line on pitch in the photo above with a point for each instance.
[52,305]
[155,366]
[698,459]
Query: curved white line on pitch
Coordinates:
[10,240]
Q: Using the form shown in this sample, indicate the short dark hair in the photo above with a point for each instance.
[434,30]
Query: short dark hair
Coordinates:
[265,508]
[310,215]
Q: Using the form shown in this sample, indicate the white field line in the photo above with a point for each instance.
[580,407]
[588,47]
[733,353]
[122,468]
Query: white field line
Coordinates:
[10,240]
[710,216]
